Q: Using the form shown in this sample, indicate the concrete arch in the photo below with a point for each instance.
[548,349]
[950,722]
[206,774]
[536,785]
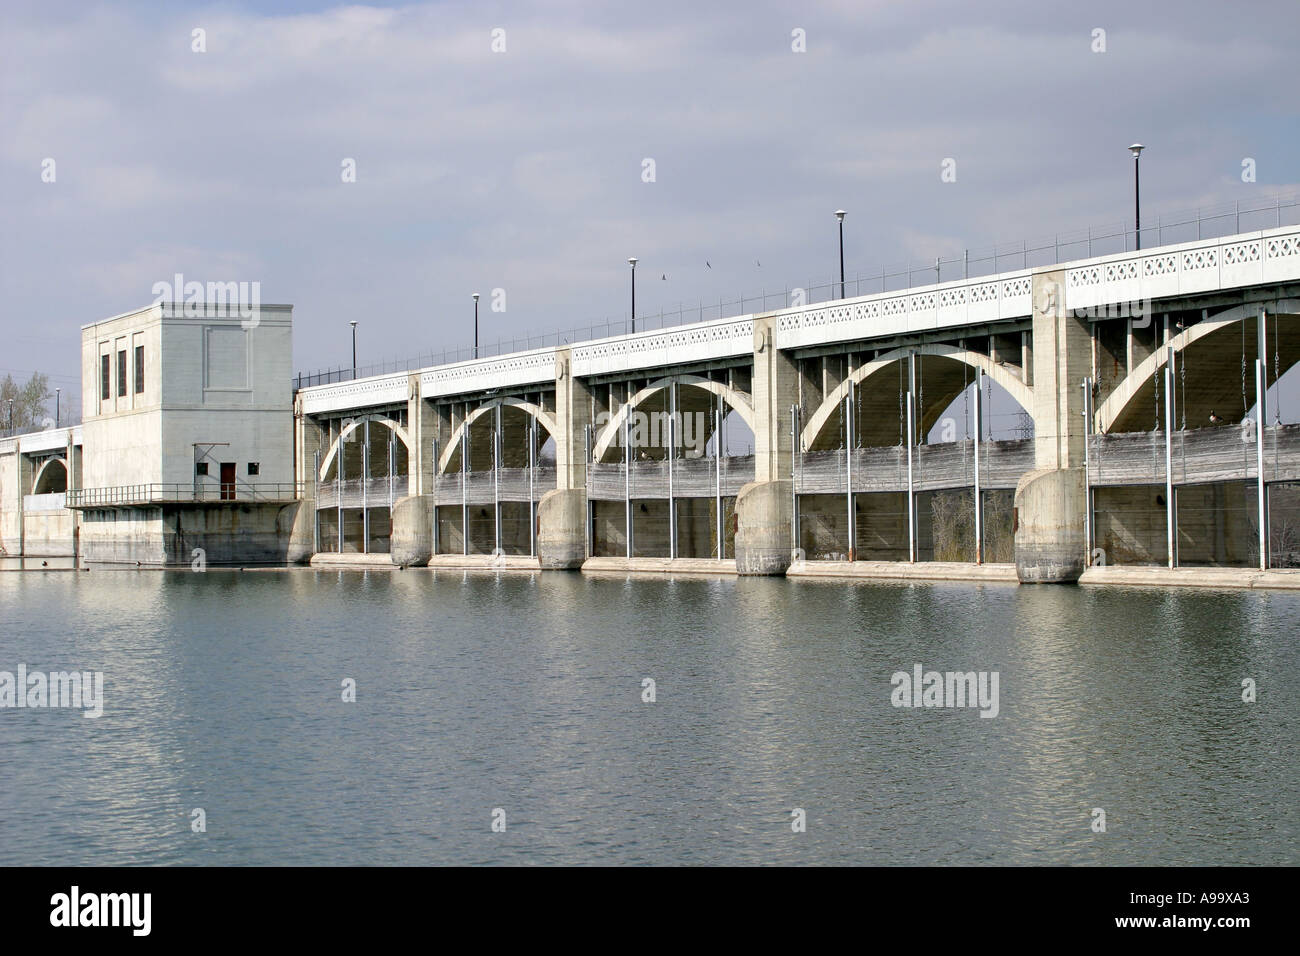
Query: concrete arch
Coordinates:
[736,399]
[46,472]
[1137,388]
[1001,374]
[388,423]
[543,418]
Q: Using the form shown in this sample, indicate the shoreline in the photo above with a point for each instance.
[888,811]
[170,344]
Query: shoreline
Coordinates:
[1205,578]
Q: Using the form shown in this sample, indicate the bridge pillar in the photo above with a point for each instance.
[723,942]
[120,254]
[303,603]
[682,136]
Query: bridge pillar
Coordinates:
[562,513]
[765,507]
[410,542]
[1051,500]
[306,442]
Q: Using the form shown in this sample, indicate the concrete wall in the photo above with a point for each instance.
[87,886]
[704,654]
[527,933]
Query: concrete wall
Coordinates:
[36,533]
[217,380]
[1129,525]
[50,534]
[167,536]
[11,500]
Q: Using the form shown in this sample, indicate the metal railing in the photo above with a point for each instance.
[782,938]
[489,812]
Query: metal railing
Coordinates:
[178,493]
[691,478]
[1204,222]
[381,492]
[935,466]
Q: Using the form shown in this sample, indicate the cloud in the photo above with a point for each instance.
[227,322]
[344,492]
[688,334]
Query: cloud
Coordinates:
[522,169]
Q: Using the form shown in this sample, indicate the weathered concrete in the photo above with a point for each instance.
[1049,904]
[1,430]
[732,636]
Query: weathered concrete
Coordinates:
[1049,526]
[484,562]
[1051,501]
[902,571]
[763,518]
[370,562]
[169,535]
[411,544]
[302,533]
[48,534]
[1193,577]
[562,538]
[658,566]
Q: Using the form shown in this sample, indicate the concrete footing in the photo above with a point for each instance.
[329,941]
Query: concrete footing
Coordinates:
[218,533]
[659,566]
[903,571]
[561,529]
[1048,522]
[411,541]
[484,562]
[376,562]
[763,521]
[1286,580]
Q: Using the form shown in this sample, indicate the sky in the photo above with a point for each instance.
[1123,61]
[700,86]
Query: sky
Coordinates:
[523,168]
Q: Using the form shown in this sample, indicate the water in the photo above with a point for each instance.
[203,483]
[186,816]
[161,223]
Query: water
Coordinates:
[477,691]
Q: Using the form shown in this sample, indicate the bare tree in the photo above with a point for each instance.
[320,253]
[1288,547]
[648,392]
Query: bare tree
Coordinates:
[29,403]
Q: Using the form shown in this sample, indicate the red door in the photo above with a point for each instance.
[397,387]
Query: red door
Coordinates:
[227,481]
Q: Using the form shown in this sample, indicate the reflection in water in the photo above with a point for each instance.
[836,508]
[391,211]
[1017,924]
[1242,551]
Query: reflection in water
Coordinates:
[524,691]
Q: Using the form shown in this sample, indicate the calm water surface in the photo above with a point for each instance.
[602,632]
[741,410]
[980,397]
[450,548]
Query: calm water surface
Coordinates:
[477,691]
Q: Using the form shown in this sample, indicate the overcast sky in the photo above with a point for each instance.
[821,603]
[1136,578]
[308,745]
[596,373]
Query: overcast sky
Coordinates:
[523,170]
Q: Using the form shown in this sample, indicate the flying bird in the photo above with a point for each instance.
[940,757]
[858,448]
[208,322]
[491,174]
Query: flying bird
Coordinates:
[1215,419]
[757,263]
[664,276]
[706,262]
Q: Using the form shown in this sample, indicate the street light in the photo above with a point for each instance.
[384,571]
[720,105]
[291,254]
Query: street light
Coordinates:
[476,325]
[839,214]
[353,323]
[1136,150]
[11,416]
[632,262]
[56,406]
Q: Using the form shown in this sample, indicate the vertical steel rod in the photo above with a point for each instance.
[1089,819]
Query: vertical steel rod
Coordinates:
[672,446]
[627,485]
[911,435]
[1260,394]
[979,500]
[1171,515]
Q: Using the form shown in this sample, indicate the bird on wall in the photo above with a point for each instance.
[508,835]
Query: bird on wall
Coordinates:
[1215,419]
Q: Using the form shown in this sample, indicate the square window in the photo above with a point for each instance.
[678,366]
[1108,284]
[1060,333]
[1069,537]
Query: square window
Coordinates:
[254,467]
[201,468]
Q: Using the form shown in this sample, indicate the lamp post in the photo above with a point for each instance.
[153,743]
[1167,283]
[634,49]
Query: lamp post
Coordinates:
[476,325]
[839,214]
[1136,150]
[11,416]
[56,406]
[353,323]
[632,262]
